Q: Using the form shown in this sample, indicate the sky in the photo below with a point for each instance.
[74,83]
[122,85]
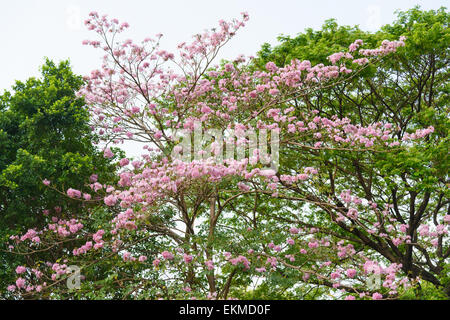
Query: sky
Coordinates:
[33,29]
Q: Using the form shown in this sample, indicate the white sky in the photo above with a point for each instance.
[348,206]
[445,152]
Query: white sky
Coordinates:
[33,29]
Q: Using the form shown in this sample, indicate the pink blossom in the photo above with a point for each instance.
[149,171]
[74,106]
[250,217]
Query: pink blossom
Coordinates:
[98,245]
[352,213]
[209,264]
[108,153]
[158,135]
[110,200]
[167,255]
[20,269]
[126,256]
[187,258]
[350,273]
[313,244]
[20,283]
[274,92]
[377,296]
[270,66]
[123,162]
[156,262]
[73,193]
[334,275]
[86,196]
[447,218]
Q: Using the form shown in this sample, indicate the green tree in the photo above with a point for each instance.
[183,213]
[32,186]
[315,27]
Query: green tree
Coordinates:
[44,134]
[410,91]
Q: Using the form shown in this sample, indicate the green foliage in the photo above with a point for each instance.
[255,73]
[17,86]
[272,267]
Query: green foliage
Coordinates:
[312,45]
[409,90]
[424,291]
[44,134]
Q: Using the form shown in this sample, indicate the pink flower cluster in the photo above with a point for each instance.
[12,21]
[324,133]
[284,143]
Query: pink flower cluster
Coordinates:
[240,259]
[73,193]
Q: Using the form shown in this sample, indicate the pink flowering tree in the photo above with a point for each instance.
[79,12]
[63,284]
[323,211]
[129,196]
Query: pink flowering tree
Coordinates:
[245,185]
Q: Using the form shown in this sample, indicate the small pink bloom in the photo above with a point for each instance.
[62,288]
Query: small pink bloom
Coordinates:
[20,269]
[20,283]
[86,196]
[187,258]
[73,193]
[377,296]
[110,200]
[167,255]
[350,273]
[123,162]
[126,256]
[313,244]
[108,153]
[209,264]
